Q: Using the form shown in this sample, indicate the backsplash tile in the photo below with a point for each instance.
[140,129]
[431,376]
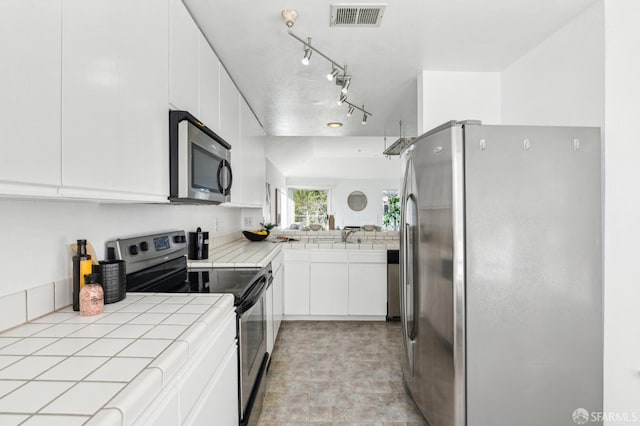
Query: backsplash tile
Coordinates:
[40,301]
[63,293]
[14,310]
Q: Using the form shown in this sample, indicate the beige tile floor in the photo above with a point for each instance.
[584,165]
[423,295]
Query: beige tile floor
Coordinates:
[337,373]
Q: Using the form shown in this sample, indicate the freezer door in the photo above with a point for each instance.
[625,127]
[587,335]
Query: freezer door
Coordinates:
[432,324]
[534,274]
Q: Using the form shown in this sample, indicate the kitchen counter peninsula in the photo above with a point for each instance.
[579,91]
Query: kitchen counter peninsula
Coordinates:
[107,369]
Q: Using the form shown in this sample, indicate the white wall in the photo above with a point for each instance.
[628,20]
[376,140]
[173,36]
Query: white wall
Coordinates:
[561,81]
[340,190]
[622,225]
[276,180]
[447,95]
[37,233]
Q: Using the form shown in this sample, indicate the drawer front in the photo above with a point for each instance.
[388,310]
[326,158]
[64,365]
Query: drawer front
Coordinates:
[368,256]
[329,256]
[296,256]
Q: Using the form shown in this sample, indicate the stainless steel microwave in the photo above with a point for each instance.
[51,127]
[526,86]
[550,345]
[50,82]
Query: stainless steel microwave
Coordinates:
[200,169]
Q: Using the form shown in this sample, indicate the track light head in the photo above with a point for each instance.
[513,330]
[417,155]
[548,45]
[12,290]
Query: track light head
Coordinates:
[364,119]
[307,56]
[333,74]
[345,84]
[350,112]
[342,99]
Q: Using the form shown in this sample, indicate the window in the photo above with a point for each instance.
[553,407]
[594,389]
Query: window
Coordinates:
[310,206]
[390,210]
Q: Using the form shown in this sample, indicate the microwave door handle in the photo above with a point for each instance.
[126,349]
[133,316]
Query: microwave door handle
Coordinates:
[224,190]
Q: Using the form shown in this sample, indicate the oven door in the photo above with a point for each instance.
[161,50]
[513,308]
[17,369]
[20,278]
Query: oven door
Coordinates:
[252,337]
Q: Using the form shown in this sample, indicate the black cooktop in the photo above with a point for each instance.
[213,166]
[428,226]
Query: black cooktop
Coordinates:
[235,281]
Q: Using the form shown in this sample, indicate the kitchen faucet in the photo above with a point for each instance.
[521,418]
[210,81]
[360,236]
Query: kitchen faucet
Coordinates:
[346,232]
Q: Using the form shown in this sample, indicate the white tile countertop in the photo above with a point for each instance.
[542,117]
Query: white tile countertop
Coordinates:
[63,368]
[257,254]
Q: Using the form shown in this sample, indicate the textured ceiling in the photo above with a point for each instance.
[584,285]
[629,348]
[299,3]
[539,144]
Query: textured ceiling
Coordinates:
[293,100]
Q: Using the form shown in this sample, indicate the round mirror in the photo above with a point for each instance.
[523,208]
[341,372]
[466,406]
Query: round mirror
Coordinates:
[357,201]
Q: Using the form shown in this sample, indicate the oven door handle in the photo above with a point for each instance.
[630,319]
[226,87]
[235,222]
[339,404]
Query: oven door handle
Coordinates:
[257,290]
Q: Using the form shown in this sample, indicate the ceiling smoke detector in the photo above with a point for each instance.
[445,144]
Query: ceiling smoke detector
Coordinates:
[357,15]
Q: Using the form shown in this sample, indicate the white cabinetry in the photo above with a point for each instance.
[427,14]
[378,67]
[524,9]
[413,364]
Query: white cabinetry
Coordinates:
[335,283]
[269,314]
[367,289]
[205,390]
[253,170]
[114,115]
[296,283]
[30,43]
[209,76]
[278,293]
[183,58]
[329,283]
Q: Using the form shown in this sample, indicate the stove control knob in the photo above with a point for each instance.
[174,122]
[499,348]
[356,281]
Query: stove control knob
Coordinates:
[133,250]
[144,246]
[179,239]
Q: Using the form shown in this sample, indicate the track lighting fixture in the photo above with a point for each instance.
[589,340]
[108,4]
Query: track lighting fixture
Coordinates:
[346,82]
[350,112]
[307,52]
[333,74]
[343,80]
[307,56]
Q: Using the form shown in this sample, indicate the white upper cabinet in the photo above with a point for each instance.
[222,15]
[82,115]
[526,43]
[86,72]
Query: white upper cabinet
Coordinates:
[209,92]
[230,131]
[114,99]
[184,38]
[30,85]
[254,167]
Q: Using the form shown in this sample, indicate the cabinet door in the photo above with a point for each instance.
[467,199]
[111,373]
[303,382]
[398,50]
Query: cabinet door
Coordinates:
[183,59]
[367,289]
[278,300]
[296,288]
[218,403]
[253,159]
[329,293]
[209,86]
[30,43]
[114,102]
[230,131]
[269,315]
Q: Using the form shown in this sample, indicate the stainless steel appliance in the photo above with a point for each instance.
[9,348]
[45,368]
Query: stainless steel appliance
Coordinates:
[200,169]
[198,245]
[157,263]
[393,285]
[501,272]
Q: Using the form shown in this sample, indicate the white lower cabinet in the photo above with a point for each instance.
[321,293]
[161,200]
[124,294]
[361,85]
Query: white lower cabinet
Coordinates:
[205,390]
[296,283]
[329,289]
[218,403]
[367,289]
[269,314]
[278,297]
[338,283]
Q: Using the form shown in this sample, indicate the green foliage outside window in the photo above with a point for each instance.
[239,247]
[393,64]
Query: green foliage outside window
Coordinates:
[310,206]
[391,210]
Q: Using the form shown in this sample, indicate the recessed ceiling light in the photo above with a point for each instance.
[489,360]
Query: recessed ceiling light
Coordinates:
[334,124]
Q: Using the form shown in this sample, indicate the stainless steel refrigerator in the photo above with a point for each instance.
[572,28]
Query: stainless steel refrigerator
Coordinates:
[501,274]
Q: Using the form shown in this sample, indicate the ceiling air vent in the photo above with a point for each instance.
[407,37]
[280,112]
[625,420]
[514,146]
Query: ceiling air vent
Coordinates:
[360,15]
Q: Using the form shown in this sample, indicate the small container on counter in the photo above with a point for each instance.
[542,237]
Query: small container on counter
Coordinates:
[91,296]
[82,266]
